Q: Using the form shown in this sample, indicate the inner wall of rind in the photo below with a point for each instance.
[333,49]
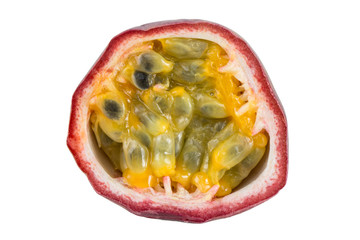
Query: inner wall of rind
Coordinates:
[105,162]
[260,167]
[100,156]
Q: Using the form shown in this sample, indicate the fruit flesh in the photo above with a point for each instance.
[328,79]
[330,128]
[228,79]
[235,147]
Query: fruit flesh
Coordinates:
[174,88]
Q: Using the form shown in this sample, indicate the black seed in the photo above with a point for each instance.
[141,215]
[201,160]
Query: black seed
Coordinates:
[181,107]
[189,71]
[146,62]
[142,80]
[105,140]
[208,109]
[112,109]
[145,139]
[192,154]
[247,162]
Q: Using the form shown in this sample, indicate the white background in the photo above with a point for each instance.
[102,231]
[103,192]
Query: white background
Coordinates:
[311,51]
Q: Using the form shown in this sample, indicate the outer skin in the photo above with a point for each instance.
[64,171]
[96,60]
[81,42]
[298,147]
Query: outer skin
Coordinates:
[174,211]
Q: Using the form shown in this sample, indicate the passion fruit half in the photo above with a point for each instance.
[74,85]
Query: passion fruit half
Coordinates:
[178,120]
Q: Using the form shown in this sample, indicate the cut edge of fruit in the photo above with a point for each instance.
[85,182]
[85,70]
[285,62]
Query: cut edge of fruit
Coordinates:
[82,150]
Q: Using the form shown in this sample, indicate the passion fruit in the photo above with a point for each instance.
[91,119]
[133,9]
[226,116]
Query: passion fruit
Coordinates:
[178,120]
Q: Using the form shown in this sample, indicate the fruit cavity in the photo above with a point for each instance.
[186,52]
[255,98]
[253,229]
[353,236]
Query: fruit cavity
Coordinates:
[177,116]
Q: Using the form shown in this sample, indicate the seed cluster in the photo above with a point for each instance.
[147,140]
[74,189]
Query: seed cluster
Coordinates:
[171,112]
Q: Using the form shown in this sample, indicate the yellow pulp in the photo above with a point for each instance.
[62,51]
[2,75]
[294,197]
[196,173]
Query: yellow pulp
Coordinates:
[169,111]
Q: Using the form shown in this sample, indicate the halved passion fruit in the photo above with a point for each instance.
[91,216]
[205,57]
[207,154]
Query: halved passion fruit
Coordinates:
[178,120]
